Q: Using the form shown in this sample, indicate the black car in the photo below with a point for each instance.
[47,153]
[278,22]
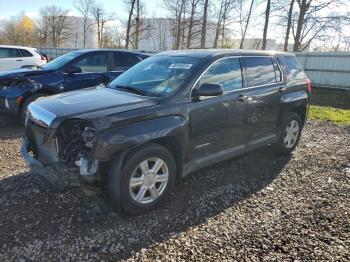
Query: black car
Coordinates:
[168,116]
[72,71]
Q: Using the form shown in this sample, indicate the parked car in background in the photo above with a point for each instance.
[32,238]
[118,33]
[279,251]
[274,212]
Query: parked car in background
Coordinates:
[72,71]
[166,117]
[13,57]
[46,57]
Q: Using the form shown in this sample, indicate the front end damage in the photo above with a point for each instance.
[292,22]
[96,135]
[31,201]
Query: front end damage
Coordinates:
[61,156]
[14,90]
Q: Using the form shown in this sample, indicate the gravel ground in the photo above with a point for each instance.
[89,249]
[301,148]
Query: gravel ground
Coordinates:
[256,207]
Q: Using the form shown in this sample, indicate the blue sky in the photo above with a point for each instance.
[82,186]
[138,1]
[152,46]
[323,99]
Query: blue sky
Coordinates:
[31,7]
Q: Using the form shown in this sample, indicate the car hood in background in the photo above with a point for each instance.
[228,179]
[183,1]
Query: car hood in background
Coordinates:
[85,103]
[22,72]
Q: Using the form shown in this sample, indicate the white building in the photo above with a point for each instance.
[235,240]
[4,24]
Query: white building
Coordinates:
[76,35]
[159,35]
[73,37]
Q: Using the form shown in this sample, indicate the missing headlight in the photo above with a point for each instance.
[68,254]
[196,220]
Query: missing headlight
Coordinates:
[75,138]
[88,136]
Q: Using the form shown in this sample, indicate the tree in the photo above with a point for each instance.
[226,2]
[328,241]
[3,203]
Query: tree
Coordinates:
[314,20]
[176,8]
[244,21]
[224,15]
[85,8]
[266,25]
[130,4]
[289,24]
[101,18]
[194,4]
[204,26]
[56,20]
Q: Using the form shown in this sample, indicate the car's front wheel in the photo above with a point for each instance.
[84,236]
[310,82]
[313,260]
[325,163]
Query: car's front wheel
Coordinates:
[147,178]
[290,134]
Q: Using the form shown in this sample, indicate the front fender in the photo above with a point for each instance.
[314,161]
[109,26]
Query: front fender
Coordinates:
[113,141]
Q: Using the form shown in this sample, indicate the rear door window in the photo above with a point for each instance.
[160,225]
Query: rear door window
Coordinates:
[25,53]
[123,60]
[260,71]
[9,53]
[226,72]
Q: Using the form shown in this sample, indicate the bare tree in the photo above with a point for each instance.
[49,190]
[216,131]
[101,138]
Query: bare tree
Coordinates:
[9,31]
[266,25]
[137,28]
[224,15]
[138,22]
[56,20]
[85,8]
[130,5]
[193,6]
[101,18]
[204,26]
[176,9]
[315,20]
[289,24]
[244,21]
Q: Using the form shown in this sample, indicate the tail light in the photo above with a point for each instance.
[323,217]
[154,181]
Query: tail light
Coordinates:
[308,85]
[43,58]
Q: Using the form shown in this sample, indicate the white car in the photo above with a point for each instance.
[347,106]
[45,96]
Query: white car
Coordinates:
[13,57]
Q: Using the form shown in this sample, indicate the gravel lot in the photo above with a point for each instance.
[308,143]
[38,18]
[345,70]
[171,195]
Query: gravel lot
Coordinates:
[256,207]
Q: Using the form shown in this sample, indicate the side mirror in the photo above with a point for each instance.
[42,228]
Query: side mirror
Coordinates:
[73,70]
[208,90]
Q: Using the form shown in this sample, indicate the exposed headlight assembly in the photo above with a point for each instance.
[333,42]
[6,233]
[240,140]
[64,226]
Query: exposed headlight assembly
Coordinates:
[88,136]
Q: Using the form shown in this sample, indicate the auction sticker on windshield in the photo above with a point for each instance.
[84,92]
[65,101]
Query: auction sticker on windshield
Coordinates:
[180,66]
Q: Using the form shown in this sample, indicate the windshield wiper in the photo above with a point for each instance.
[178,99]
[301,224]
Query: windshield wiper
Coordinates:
[132,90]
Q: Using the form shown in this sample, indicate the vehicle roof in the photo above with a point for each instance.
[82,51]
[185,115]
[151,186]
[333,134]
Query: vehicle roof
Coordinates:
[211,53]
[112,49]
[15,46]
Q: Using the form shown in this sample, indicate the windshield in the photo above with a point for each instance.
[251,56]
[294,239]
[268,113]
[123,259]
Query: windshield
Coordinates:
[157,76]
[61,61]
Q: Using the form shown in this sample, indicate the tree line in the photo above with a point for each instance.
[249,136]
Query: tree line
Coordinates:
[193,24]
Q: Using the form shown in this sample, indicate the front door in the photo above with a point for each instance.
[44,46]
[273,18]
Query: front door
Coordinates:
[216,122]
[94,71]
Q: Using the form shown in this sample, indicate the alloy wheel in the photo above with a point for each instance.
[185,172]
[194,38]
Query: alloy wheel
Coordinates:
[291,134]
[149,180]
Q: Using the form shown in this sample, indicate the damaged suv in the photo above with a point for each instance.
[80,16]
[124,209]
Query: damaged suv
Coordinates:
[166,117]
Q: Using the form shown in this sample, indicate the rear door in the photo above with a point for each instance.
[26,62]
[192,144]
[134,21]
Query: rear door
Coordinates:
[28,58]
[10,58]
[94,71]
[262,83]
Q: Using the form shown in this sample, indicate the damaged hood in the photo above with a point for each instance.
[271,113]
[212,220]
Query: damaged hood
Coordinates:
[22,72]
[85,103]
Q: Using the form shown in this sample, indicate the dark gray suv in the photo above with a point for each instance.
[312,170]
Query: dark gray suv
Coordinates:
[168,116]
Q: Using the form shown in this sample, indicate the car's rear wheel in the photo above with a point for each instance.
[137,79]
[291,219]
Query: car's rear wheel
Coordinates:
[290,135]
[147,178]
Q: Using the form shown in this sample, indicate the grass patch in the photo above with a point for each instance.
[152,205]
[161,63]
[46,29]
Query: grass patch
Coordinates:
[330,97]
[340,116]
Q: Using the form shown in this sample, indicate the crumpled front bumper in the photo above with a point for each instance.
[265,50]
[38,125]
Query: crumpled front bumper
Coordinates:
[53,176]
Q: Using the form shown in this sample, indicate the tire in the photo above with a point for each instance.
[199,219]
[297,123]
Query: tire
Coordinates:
[26,103]
[150,188]
[290,134]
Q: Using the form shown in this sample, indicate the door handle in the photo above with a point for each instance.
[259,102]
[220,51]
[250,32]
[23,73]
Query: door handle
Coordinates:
[19,60]
[282,89]
[242,98]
